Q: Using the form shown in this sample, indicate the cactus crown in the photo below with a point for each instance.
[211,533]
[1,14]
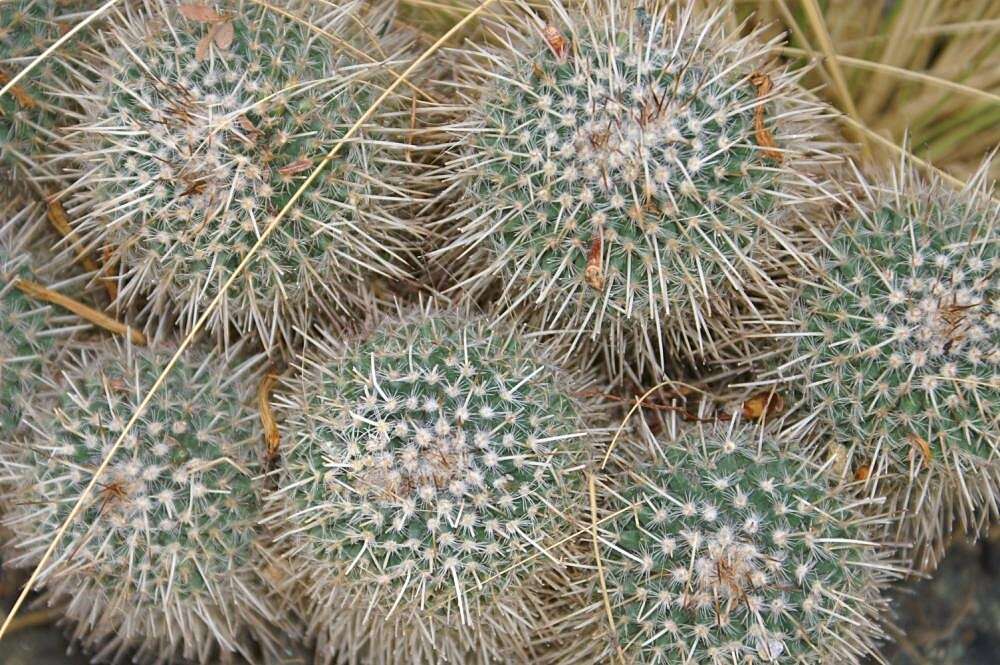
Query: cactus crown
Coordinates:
[723,551]
[226,118]
[162,560]
[634,170]
[900,350]
[425,465]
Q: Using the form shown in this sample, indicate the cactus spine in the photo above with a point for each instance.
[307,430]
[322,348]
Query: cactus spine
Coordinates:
[204,126]
[718,549]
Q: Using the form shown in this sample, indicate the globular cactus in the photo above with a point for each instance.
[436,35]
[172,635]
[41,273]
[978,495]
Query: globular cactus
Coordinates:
[33,109]
[899,354]
[639,176]
[163,560]
[206,122]
[430,472]
[716,548]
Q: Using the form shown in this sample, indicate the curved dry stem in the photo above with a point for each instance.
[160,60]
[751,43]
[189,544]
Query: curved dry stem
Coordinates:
[592,488]
[907,74]
[39,292]
[635,407]
[271,435]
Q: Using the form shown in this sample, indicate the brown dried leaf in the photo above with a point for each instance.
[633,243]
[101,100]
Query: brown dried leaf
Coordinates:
[202,13]
[224,35]
[246,124]
[201,51]
[923,446]
[298,166]
[765,140]
[862,473]
[763,405]
[593,273]
[555,40]
[271,435]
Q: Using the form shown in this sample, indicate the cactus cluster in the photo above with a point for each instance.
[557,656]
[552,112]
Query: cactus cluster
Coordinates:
[163,562]
[900,350]
[719,548]
[204,125]
[638,178]
[581,204]
[425,468]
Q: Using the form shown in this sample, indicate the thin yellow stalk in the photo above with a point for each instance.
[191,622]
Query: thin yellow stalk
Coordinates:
[215,303]
[818,25]
[355,51]
[905,74]
[922,164]
[592,488]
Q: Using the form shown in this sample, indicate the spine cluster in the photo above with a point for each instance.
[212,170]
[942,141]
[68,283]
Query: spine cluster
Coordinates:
[640,180]
[900,351]
[35,108]
[206,123]
[720,548]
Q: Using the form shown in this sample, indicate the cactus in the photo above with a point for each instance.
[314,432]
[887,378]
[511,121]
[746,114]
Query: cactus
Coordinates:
[425,470]
[163,560]
[900,350]
[227,114]
[28,328]
[718,549]
[31,111]
[637,175]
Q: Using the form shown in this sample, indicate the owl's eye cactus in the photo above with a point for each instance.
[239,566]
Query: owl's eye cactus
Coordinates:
[639,176]
[716,549]
[207,122]
[900,351]
[163,560]
[426,470]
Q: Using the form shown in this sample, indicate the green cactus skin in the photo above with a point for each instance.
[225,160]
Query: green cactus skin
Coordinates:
[900,352]
[634,155]
[425,467]
[29,329]
[163,561]
[42,101]
[187,160]
[717,550]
